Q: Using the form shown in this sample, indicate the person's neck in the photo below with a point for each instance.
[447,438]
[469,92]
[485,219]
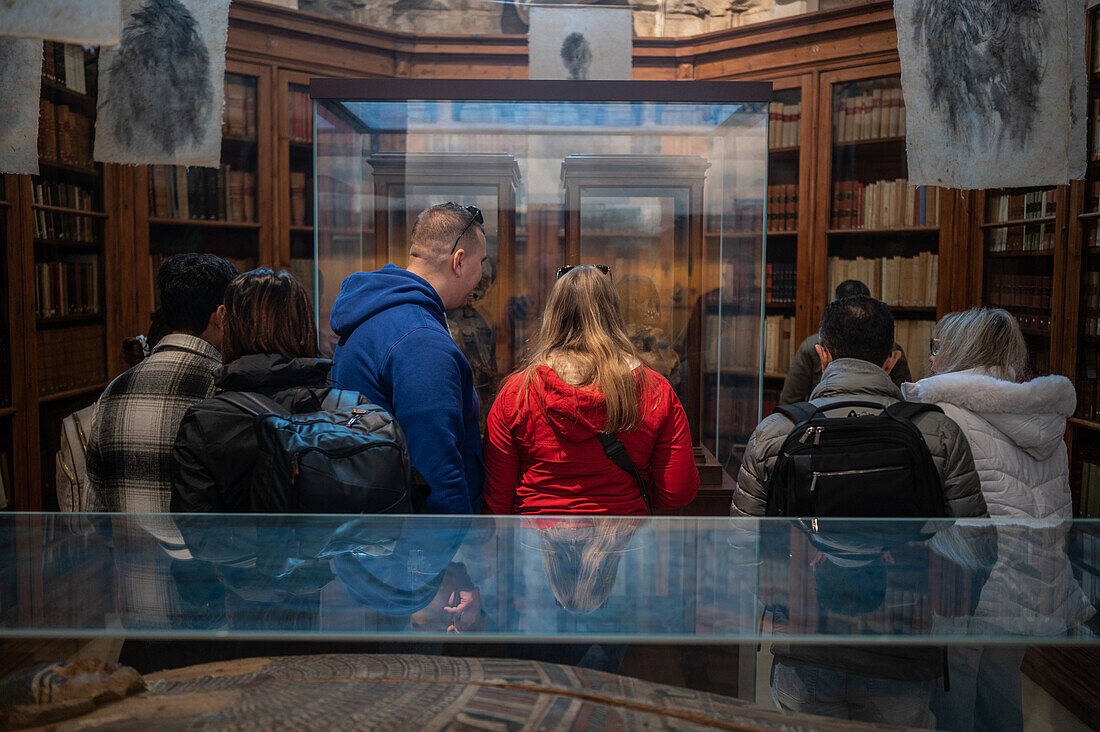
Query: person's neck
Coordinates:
[429,275]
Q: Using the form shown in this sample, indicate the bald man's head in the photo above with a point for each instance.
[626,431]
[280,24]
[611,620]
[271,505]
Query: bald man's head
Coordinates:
[433,235]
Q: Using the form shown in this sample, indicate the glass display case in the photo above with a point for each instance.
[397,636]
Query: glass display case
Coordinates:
[658,180]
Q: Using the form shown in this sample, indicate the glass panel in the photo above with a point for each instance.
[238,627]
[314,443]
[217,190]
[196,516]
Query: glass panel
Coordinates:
[663,193]
[591,578]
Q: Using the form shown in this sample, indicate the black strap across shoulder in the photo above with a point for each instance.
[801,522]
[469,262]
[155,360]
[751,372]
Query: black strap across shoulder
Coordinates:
[616,452]
[255,404]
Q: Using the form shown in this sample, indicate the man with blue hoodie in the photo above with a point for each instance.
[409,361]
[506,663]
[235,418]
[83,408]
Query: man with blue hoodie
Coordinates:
[396,349]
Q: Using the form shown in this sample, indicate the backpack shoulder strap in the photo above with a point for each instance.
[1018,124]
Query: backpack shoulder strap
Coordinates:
[911,410]
[338,399]
[616,452]
[252,403]
[798,412]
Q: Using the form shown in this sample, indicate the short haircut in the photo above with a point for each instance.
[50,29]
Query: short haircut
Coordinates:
[858,327]
[435,230]
[268,312]
[191,289]
[985,338]
[851,288]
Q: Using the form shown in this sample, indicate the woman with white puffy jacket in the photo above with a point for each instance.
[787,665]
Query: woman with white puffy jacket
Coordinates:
[1015,429]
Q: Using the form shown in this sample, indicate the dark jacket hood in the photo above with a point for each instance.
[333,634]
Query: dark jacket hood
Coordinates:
[365,294]
[575,414]
[265,371]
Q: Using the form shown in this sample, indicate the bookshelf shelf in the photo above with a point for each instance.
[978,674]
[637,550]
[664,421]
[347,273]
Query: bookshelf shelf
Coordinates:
[736,371]
[61,94]
[1089,216]
[5,204]
[931,309]
[301,228]
[73,211]
[784,152]
[1036,332]
[235,140]
[779,305]
[891,230]
[782,232]
[1085,424]
[205,222]
[58,321]
[58,166]
[301,145]
[878,141]
[1019,222]
[1033,253]
[70,393]
[7,411]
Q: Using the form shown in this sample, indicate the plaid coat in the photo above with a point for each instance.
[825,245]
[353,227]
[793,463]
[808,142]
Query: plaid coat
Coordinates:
[139,413]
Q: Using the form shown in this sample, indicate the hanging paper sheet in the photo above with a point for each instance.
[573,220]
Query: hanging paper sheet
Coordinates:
[91,22]
[20,84]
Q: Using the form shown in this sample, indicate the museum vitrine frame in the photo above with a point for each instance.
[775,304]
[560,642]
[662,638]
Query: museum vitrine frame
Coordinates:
[656,139]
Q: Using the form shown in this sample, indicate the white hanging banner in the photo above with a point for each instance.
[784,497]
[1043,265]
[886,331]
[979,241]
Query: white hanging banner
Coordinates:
[993,97]
[90,22]
[580,43]
[161,90]
[20,85]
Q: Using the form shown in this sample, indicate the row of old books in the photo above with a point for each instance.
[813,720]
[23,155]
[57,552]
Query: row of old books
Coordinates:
[913,336]
[783,207]
[1091,285]
[1088,386]
[1029,238]
[1019,291]
[69,287]
[301,116]
[873,115]
[900,281]
[70,358]
[211,194]
[1021,206]
[784,124]
[1090,505]
[66,195]
[779,283]
[883,204]
[779,343]
[735,413]
[347,210]
[63,63]
[239,120]
[299,198]
[64,135]
[64,227]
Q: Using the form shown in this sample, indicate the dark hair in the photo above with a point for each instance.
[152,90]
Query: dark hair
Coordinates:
[191,289]
[858,327]
[268,312]
[851,288]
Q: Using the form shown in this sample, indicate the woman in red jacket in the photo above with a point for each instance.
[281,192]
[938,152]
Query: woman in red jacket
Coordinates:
[585,377]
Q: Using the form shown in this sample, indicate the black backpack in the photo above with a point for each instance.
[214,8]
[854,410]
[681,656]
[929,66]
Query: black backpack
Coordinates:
[869,465]
[348,458]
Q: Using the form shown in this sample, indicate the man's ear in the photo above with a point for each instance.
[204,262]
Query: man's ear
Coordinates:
[895,356]
[217,319]
[824,355]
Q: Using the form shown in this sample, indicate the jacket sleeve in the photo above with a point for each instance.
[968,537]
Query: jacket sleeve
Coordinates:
[672,464]
[194,489]
[501,458]
[900,373]
[426,378]
[962,488]
[750,497]
[93,467]
[800,376]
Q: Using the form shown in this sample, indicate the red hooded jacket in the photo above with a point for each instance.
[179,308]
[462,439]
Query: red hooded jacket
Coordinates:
[542,455]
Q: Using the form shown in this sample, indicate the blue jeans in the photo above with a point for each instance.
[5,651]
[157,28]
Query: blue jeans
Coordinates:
[797,687]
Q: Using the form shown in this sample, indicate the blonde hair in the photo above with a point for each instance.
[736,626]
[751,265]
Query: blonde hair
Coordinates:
[985,338]
[581,559]
[582,334]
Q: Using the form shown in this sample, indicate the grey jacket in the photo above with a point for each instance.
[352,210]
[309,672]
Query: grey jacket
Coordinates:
[805,372]
[851,379]
[845,379]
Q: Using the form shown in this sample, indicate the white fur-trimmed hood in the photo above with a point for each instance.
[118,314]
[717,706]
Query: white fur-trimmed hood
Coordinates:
[1032,414]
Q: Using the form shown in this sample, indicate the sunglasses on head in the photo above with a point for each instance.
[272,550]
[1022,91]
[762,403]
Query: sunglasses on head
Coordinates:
[475,215]
[602,267]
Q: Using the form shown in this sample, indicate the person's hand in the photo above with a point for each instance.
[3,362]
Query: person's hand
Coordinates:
[464,608]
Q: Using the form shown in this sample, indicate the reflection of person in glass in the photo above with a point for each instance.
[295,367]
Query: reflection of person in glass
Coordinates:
[581,557]
[641,307]
[477,338]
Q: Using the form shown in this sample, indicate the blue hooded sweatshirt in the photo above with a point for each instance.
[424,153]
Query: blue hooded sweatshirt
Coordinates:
[396,350]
